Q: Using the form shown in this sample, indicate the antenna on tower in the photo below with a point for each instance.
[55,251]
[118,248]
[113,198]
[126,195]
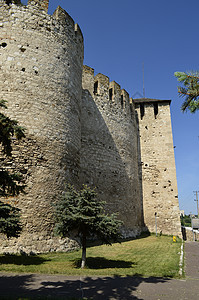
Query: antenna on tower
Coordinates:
[138,93]
[143,80]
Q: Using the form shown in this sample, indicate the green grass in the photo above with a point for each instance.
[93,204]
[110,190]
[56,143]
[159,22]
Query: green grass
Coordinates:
[148,256]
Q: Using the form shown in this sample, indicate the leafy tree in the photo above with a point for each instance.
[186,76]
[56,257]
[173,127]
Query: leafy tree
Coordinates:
[186,220]
[81,212]
[10,183]
[190,91]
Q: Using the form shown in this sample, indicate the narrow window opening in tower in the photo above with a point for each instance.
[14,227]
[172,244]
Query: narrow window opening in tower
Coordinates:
[96,88]
[110,94]
[122,101]
[155,105]
[141,110]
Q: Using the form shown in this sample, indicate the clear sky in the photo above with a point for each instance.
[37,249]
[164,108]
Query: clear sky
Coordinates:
[120,35]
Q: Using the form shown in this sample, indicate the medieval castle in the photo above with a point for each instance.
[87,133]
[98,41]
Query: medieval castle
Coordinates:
[81,129]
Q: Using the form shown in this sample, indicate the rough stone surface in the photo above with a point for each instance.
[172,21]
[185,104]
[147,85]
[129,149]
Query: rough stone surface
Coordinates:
[157,166]
[80,128]
[109,158]
[41,61]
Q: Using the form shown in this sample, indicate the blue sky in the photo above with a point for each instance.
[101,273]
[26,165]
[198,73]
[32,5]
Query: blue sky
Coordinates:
[120,35]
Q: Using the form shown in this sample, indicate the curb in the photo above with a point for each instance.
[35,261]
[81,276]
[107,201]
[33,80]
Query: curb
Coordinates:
[181,259]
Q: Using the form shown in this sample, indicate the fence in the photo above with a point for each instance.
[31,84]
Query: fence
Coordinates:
[190,234]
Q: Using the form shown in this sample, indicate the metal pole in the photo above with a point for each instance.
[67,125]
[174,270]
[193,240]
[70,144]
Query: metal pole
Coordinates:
[192,227]
[143,80]
[196,193]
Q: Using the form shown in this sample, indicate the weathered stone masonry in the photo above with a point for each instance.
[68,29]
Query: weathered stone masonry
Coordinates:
[157,165]
[80,128]
[109,148]
[41,74]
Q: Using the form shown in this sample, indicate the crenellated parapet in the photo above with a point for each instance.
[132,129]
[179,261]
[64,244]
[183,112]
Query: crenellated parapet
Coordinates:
[34,16]
[105,91]
[101,84]
[114,92]
[65,19]
[109,148]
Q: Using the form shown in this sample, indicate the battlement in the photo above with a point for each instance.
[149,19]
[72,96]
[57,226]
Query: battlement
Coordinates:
[61,15]
[36,12]
[114,91]
[50,23]
[100,86]
[88,70]
[143,104]
[65,19]
[103,81]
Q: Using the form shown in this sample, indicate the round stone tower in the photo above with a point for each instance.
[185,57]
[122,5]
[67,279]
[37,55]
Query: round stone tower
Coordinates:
[41,58]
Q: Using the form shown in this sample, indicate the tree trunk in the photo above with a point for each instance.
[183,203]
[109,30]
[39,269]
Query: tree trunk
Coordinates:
[83,251]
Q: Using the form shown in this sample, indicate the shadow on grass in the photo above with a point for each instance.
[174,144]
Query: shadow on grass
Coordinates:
[21,260]
[60,287]
[103,263]
[93,243]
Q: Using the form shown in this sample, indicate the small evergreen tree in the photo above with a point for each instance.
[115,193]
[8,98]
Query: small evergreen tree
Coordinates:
[190,91]
[80,211]
[9,220]
[10,183]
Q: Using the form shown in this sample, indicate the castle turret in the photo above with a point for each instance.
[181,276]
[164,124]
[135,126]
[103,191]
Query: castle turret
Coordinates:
[157,166]
[41,73]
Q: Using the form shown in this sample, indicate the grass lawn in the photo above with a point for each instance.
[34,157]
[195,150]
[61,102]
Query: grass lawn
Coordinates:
[147,256]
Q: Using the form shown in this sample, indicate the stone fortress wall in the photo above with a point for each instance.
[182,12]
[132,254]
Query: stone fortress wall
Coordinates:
[109,148]
[80,128]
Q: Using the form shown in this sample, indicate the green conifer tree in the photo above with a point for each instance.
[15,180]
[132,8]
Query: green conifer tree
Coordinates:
[11,184]
[80,211]
[10,224]
[190,90]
